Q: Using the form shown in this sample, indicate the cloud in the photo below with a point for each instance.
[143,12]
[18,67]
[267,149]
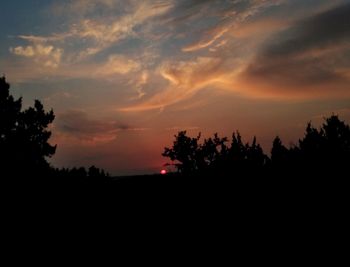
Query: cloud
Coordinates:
[240,46]
[310,57]
[90,46]
[194,72]
[23,51]
[187,73]
[90,34]
[105,34]
[184,78]
[229,16]
[319,31]
[118,64]
[104,24]
[205,43]
[111,70]
[101,33]
[317,65]
[48,56]
[76,125]
[259,27]
[45,39]
[141,83]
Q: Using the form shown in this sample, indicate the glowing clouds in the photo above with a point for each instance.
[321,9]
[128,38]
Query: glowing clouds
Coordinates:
[185,79]
[227,45]
[23,51]
[119,64]
[49,56]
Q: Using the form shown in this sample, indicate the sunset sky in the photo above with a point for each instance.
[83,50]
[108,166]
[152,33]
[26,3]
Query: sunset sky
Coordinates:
[124,76]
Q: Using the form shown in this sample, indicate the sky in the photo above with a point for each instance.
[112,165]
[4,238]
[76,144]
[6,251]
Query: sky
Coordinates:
[124,76]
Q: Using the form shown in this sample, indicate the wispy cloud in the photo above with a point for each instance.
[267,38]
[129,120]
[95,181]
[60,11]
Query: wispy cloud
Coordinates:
[185,78]
[141,83]
[93,35]
[200,70]
[169,50]
[230,16]
[205,43]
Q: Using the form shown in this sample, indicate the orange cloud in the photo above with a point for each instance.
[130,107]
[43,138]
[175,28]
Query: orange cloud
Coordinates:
[185,79]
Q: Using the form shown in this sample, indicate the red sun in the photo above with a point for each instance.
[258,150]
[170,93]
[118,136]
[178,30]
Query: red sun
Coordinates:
[163,172]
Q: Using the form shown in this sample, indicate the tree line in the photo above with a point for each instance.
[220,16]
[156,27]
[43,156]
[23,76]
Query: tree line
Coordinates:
[321,151]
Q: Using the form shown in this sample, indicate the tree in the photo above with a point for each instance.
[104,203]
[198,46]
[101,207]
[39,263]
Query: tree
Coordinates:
[237,151]
[213,153]
[184,152]
[336,138]
[255,155]
[326,148]
[323,150]
[279,153]
[24,136]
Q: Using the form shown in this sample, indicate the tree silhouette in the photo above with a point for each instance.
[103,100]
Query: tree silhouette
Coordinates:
[279,153]
[213,152]
[184,153]
[255,156]
[327,148]
[24,136]
[237,151]
[213,156]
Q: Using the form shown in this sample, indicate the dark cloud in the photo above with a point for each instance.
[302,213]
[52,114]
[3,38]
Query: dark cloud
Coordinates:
[313,52]
[77,124]
[325,29]
[291,72]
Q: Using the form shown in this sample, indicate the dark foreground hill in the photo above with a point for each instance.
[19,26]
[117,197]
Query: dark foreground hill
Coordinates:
[241,190]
